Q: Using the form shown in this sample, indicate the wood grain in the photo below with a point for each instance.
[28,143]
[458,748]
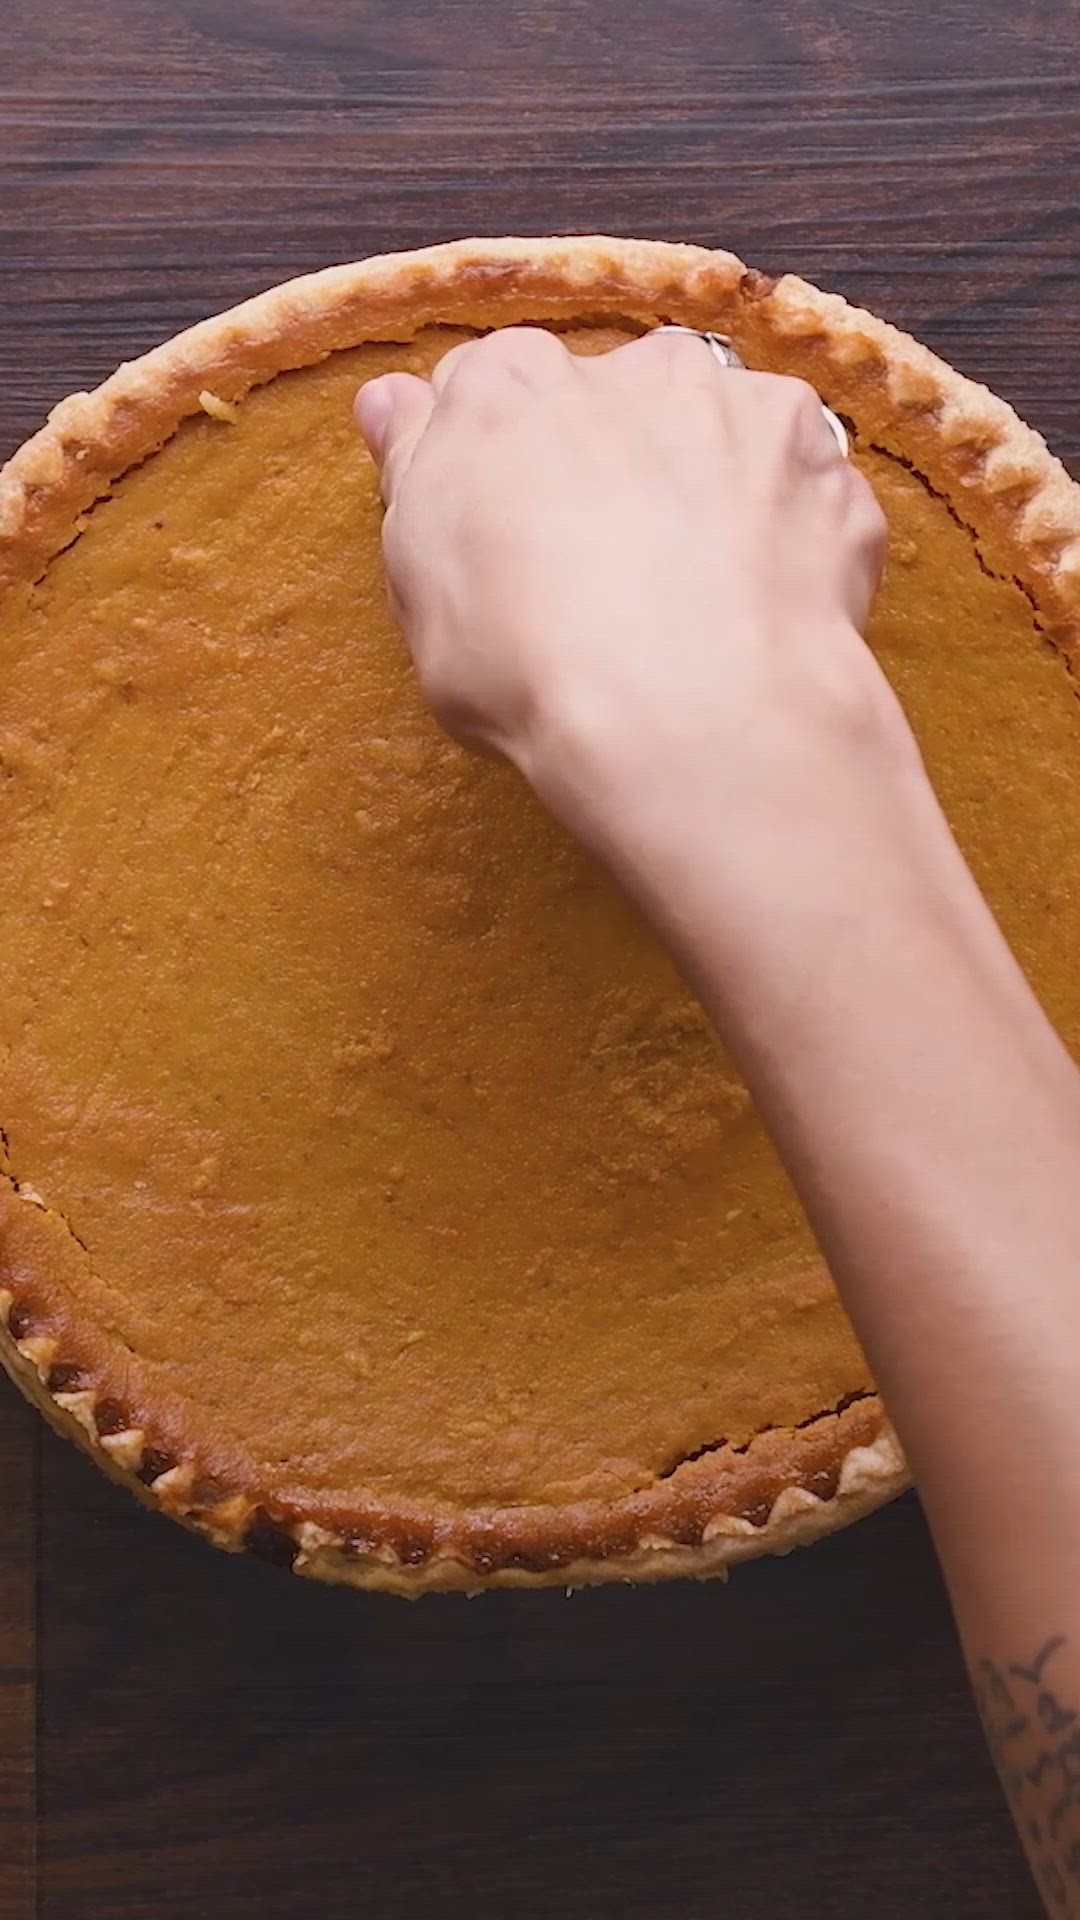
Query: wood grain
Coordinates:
[19,1671]
[166,157]
[799,1743]
[213,1738]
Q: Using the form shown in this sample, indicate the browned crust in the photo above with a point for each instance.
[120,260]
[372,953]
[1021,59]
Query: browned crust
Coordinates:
[966,441]
[785,1490]
[786,1487]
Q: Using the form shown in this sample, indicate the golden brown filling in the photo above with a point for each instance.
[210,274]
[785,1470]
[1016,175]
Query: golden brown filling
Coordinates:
[400,1153]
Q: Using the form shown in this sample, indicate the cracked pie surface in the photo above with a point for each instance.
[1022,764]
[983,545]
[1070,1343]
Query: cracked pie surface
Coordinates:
[374,1194]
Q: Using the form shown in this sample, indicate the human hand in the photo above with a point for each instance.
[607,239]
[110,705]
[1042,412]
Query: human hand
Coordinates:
[613,565]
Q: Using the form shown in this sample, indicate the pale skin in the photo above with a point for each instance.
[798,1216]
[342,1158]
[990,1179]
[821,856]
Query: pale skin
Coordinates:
[643,579]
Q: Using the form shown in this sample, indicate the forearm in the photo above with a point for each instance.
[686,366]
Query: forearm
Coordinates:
[930,1119]
[645,585]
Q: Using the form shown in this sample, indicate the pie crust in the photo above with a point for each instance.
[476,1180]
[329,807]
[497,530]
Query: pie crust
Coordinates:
[785,1486]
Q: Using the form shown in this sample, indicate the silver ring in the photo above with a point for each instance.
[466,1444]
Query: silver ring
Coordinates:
[718,344]
[722,351]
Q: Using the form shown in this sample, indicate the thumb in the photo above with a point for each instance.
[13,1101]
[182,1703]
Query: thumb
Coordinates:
[391,413]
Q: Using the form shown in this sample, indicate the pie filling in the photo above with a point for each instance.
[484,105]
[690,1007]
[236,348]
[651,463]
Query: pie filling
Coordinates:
[400,1161]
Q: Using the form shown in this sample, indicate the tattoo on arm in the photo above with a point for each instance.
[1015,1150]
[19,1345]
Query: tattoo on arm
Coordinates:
[1034,1737]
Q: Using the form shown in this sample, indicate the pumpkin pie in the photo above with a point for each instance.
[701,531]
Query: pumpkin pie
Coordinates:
[373,1194]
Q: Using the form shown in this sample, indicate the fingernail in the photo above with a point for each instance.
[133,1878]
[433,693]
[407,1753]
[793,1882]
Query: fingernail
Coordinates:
[372,412]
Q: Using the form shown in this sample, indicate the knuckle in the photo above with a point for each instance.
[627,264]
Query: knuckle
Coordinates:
[866,509]
[790,405]
[390,481]
[676,346]
[394,545]
[877,525]
[509,352]
[680,359]
[399,554]
[793,398]
[518,343]
[454,365]
[802,397]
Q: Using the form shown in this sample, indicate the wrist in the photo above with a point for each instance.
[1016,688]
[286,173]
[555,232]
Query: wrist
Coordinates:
[743,801]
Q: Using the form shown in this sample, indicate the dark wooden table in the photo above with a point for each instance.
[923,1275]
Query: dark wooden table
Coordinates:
[185,1735]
